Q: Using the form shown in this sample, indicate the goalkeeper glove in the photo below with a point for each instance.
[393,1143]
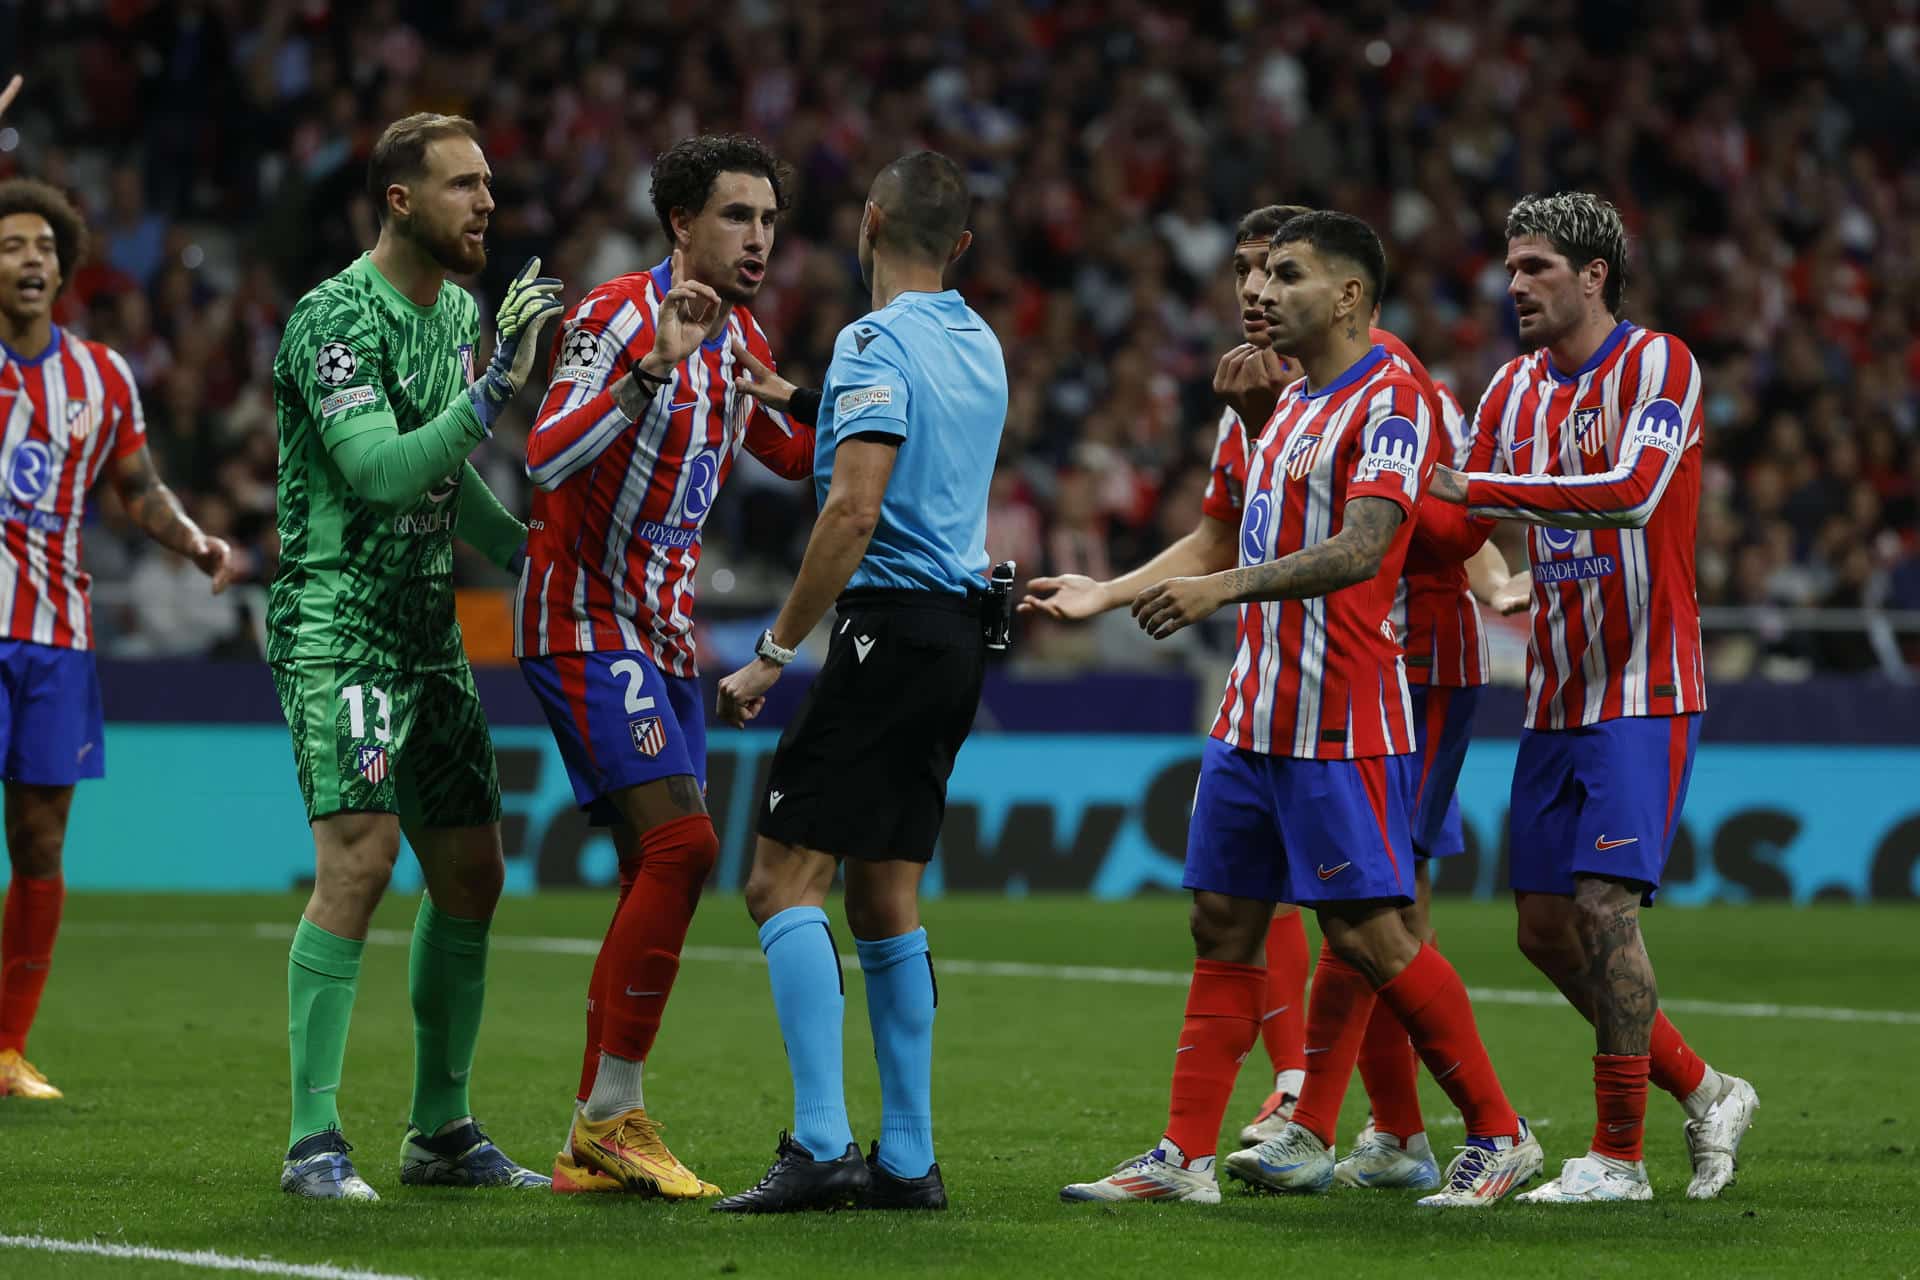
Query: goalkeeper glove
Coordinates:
[531,301]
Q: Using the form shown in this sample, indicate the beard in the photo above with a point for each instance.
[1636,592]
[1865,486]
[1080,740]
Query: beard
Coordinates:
[448,248]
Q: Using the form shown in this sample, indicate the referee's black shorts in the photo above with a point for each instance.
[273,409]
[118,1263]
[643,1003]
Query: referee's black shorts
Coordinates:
[862,771]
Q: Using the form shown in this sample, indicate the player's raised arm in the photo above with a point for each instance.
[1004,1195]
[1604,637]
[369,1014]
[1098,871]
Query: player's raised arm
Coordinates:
[345,390]
[599,389]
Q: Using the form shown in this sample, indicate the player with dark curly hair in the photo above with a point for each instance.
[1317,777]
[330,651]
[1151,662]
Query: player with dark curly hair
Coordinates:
[641,424]
[69,412]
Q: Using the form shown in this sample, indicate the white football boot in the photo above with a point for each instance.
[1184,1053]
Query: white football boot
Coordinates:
[1163,1173]
[1594,1179]
[1714,1143]
[1296,1160]
[1488,1170]
[1380,1160]
[1276,1111]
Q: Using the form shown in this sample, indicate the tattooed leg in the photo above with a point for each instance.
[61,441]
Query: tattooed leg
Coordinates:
[1618,976]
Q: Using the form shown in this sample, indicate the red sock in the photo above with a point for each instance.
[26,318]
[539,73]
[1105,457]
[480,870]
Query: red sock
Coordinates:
[1390,1072]
[1676,1067]
[1222,1022]
[1283,1023]
[649,931]
[31,921]
[1336,1021]
[590,1061]
[1620,1103]
[1431,1002]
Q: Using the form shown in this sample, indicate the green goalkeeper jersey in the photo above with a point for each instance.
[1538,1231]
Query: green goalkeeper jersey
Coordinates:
[360,583]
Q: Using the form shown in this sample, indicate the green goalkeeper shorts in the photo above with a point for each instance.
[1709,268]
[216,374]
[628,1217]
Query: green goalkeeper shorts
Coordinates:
[374,740]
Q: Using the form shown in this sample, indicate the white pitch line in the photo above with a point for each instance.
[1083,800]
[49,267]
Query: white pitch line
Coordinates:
[1020,969]
[206,1259]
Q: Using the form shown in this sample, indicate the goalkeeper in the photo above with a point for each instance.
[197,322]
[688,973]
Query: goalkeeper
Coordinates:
[378,409]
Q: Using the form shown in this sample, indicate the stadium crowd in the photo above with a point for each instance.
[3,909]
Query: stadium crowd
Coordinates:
[1756,151]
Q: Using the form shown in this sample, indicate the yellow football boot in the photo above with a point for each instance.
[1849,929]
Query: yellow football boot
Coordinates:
[627,1148]
[21,1079]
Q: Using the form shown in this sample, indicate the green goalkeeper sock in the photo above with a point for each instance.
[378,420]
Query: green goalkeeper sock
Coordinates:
[448,979]
[323,971]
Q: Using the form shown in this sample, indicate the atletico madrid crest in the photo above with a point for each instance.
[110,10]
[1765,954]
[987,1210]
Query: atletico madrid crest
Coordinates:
[1589,429]
[371,763]
[1301,457]
[79,420]
[649,736]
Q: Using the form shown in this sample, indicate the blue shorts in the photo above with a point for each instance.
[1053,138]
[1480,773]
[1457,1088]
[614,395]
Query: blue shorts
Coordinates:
[1279,829]
[1442,724]
[51,733]
[619,723]
[1600,800]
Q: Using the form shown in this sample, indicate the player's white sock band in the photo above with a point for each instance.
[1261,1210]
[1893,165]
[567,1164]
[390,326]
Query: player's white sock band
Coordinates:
[1701,1100]
[616,1088]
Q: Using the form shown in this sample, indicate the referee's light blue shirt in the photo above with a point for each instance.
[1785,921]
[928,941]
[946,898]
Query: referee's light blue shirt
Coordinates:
[926,370]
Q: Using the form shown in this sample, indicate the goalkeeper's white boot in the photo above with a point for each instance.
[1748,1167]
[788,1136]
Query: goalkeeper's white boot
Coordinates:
[1295,1161]
[1594,1179]
[1488,1170]
[1163,1173]
[1714,1141]
[1382,1161]
[1276,1111]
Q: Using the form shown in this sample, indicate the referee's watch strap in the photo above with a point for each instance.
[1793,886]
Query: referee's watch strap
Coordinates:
[770,649]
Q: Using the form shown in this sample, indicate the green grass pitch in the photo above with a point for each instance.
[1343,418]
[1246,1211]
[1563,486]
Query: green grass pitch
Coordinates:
[165,1023]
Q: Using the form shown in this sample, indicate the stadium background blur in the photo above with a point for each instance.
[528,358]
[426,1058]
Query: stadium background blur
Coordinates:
[1763,165]
[1761,154]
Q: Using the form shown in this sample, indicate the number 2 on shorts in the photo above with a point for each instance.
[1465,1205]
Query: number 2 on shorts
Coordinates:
[636,678]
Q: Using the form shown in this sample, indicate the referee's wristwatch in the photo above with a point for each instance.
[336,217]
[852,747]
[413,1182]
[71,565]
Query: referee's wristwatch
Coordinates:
[770,649]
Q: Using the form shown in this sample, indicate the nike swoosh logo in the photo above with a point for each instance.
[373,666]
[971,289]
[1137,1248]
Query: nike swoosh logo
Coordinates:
[1449,1071]
[1620,1128]
[1521,444]
[675,408]
[1280,1168]
[1185,1048]
[458,1076]
[83,752]
[1311,1052]
[1267,1017]
[409,378]
[1328,873]
[325,1088]
[638,994]
[1603,844]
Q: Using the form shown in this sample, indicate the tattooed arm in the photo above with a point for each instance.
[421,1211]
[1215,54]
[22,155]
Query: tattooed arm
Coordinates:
[155,509]
[1349,556]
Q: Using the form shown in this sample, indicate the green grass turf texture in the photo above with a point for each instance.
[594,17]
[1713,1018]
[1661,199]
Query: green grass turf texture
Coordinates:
[164,1022]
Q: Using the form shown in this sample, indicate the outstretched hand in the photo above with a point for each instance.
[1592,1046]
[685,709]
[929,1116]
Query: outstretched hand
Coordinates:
[1069,597]
[1177,603]
[213,557]
[760,382]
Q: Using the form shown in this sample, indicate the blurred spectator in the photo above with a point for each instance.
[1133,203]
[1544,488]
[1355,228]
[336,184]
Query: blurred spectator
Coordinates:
[1756,151]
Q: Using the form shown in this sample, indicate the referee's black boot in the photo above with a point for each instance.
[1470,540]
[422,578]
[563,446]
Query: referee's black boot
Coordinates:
[797,1183]
[889,1191]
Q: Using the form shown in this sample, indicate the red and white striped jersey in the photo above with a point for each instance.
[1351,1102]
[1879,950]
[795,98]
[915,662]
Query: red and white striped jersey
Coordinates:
[1605,463]
[67,412]
[1322,678]
[618,505]
[1433,610]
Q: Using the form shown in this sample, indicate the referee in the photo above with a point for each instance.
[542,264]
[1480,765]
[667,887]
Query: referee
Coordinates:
[908,426]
